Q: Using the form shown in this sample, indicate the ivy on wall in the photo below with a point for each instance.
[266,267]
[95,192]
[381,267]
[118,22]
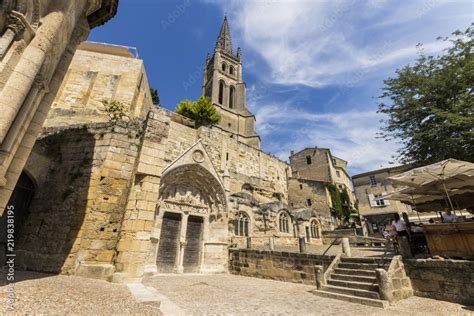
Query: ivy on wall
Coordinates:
[341,203]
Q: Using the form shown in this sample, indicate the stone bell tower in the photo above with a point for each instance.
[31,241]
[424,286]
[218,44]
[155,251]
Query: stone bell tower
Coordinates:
[223,84]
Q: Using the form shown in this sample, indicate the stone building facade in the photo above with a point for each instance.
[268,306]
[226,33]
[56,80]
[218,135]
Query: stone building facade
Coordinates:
[370,189]
[114,192]
[38,40]
[312,169]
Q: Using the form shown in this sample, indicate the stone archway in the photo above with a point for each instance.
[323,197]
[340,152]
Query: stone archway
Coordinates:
[191,218]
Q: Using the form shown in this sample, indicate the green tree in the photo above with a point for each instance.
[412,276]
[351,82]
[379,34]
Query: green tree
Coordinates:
[202,111]
[155,97]
[430,105]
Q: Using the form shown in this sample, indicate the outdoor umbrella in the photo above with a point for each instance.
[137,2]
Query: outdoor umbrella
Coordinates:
[446,177]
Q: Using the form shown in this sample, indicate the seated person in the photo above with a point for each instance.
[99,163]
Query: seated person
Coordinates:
[390,231]
[448,217]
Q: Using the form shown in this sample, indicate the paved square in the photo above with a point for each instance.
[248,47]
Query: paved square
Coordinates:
[236,295]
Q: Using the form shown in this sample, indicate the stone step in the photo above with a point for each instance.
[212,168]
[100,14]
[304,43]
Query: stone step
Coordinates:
[358,266]
[357,278]
[375,260]
[368,286]
[351,298]
[353,292]
[357,272]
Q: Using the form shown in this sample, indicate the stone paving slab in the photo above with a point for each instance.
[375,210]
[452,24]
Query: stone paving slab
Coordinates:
[45,294]
[225,294]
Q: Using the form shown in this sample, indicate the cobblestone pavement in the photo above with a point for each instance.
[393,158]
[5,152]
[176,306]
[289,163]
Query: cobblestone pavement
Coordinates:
[236,295]
[45,294]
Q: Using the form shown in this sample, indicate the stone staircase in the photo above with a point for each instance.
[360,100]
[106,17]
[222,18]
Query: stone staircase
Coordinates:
[354,280]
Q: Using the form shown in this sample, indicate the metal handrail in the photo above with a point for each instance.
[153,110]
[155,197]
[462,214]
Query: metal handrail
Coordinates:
[332,244]
[388,243]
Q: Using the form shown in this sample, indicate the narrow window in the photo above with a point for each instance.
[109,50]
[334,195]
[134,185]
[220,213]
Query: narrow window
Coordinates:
[308,202]
[338,173]
[314,229]
[301,187]
[224,66]
[284,223]
[231,70]
[231,97]
[242,225]
[308,160]
[373,182]
[221,92]
[227,156]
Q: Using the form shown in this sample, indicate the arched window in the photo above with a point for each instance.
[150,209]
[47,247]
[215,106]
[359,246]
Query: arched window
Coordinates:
[314,229]
[224,66]
[284,223]
[242,225]
[231,97]
[221,92]
[231,70]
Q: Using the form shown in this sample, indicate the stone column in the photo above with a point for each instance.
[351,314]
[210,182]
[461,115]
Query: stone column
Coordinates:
[302,244]
[182,243]
[320,278]
[205,237]
[21,80]
[346,248]
[385,286]
[16,24]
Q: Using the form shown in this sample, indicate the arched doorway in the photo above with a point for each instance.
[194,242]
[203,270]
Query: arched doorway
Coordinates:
[189,216]
[17,207]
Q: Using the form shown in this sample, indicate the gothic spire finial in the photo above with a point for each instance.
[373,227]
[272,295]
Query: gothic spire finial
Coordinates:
[224,37]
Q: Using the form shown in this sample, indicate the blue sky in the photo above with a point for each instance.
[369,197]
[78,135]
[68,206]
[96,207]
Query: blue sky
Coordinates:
[313,68]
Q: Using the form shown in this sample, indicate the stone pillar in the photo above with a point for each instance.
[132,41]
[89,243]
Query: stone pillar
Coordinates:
[42,37]
[320,278]
[16,24]
[205,237]
[346,247]
[272,243]
[302,244]
[182,243]
[385,286]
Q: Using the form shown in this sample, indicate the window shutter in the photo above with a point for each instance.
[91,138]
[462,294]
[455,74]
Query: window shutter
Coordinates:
[372,200]
[387,202]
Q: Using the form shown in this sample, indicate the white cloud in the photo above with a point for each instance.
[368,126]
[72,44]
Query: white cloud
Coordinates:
[351,135]
[317,43]
[321,44]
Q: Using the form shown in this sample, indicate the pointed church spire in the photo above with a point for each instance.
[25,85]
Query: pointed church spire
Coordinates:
[224,42]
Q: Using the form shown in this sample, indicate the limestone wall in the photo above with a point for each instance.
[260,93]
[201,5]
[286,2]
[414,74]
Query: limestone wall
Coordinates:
[282,266]
[165,141]
[299,191]
[320,168]
[442,279]
[77,212]
[100,72]
[244,163]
